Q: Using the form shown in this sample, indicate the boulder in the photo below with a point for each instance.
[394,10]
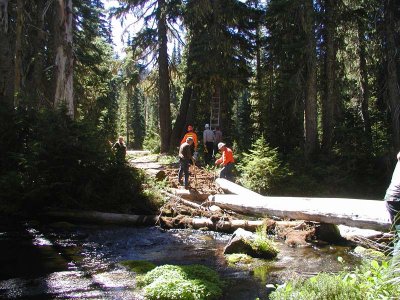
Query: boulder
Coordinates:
[246,242]
[328,232]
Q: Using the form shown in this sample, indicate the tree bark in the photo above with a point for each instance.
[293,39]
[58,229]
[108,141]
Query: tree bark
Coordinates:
[179,126]
[164,93]
[6,59]
[391,73]
[41,98]
[63,94]
[310,114]
[365,94]
[328,101]
[18,53]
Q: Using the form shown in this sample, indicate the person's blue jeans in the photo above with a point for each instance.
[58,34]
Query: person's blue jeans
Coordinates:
[393,206]
[226,172]
[184,171]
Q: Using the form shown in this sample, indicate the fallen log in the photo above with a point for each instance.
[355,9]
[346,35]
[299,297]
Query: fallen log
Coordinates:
[183,201]
[230,187]
[358,213]
[209,224]
[103,218]
[190,194]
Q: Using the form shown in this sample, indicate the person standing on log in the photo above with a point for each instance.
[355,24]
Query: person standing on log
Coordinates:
[227,161]
[392,199]
[120,150]
[185,158]
[208,141]
[193,135]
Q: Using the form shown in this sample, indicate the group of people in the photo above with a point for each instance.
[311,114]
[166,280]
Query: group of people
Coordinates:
[212,142]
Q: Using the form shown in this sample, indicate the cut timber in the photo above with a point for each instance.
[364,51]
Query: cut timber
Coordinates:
[183,201]
[191,194]
[230,187]
[103,218]
[369,214]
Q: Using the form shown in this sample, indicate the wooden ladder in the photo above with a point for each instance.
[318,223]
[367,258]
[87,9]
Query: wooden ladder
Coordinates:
[215,109]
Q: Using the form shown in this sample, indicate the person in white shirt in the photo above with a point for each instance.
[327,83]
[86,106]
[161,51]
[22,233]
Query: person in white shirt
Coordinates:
[208,141]
[392,199]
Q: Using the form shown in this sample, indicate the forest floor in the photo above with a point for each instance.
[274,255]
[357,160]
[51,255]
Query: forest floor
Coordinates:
[201,179]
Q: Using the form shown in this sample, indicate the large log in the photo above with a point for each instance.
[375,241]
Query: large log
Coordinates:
[102,218]
[358,213]
[190,194]
[230,187]
[219,225]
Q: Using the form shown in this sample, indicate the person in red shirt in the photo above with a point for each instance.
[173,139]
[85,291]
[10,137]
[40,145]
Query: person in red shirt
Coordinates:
[193,135]
[227,161]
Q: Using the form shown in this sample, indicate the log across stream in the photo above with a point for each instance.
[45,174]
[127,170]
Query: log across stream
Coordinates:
[369,214]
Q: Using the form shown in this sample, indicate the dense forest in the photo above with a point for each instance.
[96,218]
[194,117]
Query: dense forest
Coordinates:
[314,83]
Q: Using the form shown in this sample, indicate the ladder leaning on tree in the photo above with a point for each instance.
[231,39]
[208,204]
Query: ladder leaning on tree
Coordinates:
[215,109]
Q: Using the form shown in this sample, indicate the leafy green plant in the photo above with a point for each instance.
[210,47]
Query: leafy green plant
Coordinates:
[261,169]
[262,243]
[192,282]
[370,281]
[152,142]
[53,161]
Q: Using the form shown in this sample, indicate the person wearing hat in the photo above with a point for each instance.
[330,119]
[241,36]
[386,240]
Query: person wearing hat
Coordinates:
[193,135]
[208,141]
[185,157]
[226,161]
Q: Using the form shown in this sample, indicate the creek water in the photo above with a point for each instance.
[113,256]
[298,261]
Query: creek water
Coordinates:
[82,261]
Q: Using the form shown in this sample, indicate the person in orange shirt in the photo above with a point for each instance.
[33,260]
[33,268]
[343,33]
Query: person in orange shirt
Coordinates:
[227,161]
[193,135]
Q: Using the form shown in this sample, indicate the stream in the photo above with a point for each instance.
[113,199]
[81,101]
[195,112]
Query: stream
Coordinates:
[65,261]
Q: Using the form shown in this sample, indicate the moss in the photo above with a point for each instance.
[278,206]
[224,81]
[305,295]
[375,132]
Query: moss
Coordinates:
[238,258]
[262,245]
[369,253]
[138,266]
[193,282]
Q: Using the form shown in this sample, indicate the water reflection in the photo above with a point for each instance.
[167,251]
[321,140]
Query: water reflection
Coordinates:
[47,262]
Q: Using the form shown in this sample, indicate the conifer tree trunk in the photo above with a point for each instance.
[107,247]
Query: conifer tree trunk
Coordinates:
[328,100]
[177,131]
[18,52]
[64,60]
[6,57]
[164,95]
[310,114]
[364,84]
[38,45]
[391,73]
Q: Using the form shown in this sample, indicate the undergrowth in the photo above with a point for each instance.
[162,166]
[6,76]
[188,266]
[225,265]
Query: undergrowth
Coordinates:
[371,281]
[191,282]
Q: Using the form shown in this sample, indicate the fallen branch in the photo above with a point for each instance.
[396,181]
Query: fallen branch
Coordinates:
[103,218]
